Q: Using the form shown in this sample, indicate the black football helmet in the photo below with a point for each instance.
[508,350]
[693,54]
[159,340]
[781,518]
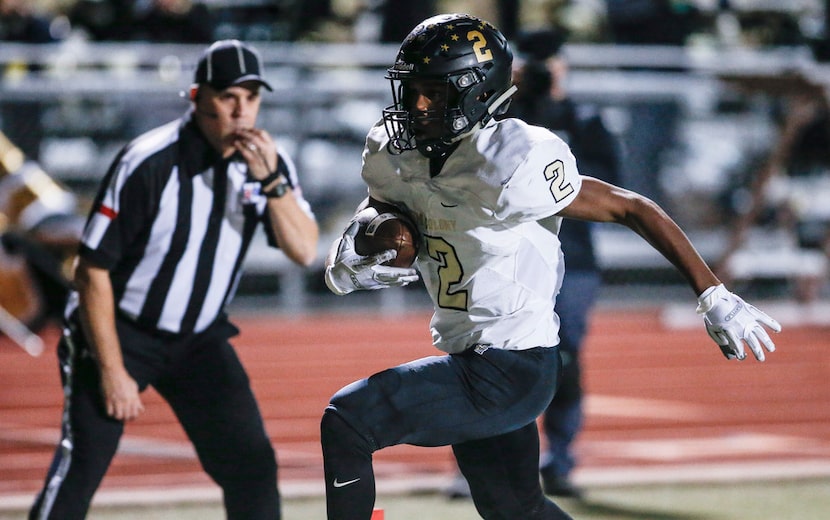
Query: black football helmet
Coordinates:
[475,62]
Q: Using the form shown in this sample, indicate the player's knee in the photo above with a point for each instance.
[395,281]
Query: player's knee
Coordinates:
[336,434]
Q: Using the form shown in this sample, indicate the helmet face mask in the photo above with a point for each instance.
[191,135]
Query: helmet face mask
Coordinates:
[467,57]
[412,127]
[440,94]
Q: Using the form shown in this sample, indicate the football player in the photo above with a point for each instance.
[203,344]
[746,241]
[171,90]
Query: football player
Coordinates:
[488,197]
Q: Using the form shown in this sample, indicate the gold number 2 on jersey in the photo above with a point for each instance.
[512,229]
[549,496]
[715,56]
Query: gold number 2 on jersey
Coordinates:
[450,273]
[555,173]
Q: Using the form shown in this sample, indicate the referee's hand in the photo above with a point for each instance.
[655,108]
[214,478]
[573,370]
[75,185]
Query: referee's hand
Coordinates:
[259,150]
[120,392]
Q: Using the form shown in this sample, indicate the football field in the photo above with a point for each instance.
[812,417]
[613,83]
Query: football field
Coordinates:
[673,430]
[789,499]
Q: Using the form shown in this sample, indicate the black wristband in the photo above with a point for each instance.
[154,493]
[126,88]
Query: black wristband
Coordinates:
[277,191]
[271,178]
[279,174]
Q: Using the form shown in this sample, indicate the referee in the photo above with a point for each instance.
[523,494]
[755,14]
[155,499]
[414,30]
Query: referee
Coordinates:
[159,258]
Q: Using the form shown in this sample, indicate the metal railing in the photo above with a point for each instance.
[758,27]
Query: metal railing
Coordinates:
[90,98]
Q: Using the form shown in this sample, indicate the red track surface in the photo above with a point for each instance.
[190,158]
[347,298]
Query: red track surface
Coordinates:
[662,403]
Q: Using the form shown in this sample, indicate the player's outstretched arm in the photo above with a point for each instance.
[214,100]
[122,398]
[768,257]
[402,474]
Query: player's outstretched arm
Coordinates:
[729,320]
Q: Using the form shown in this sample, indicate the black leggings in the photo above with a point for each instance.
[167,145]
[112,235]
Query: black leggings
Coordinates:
[206,386]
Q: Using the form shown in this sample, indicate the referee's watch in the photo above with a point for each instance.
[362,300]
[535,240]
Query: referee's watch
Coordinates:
[279,189]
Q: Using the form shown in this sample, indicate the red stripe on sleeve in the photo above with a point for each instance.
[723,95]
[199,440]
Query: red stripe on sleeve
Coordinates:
[107,212]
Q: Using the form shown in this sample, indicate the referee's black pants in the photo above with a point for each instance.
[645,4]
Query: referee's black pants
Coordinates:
[204,382]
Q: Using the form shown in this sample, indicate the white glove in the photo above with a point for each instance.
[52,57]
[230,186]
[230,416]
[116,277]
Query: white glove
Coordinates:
[730,321]
[349,271]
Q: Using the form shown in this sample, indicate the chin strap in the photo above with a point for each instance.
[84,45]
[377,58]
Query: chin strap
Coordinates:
[438,148]
[499,101]
[492,110]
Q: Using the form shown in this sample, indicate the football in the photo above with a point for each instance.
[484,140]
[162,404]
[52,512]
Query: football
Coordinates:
[382,230]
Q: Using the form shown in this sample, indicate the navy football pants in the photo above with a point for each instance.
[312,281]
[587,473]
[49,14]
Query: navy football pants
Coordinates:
[484,405]
[206,386]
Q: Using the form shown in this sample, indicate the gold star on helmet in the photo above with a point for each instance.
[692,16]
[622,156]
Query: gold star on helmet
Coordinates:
[454,37]
[445,47]
[450,27]
[426,60]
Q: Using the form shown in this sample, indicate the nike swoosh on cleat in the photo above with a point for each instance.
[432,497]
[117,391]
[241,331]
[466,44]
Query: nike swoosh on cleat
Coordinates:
[344,484]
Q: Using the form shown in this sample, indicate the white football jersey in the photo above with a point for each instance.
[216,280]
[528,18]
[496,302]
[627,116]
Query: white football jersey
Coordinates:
[489,253]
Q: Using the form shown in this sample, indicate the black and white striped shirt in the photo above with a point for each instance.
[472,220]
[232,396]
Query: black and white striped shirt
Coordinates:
[170,225]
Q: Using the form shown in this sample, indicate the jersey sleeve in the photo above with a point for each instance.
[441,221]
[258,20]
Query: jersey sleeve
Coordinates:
[376,165]
[544,183]
[121,208]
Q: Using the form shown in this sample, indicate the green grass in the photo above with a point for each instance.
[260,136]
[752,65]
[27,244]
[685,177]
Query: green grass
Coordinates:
[768,500]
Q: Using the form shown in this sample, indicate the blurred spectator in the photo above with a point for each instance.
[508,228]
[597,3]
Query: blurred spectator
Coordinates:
[307,17]
[172,21]
[654,129]
[543,100]
[272,21]
[762,26]
[644,22]
[21,118]
[820,43]
[102,20]
[164,21]
[784,197]
[399,17]
[770,28]
[811,149]
[19,23]
[509,17]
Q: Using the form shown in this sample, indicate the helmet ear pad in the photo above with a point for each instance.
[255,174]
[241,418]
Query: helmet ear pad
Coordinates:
[474,101]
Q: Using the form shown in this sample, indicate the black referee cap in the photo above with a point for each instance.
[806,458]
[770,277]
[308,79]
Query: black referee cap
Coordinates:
[229,62]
